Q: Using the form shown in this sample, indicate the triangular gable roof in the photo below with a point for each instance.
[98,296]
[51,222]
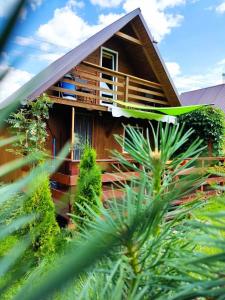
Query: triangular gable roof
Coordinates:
[210,95]
[47,77]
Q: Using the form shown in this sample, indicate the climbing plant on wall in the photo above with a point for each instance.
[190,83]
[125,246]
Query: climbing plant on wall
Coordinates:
[209,125]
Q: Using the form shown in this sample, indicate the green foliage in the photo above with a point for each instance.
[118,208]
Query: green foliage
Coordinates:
[217,170]
[14,264]
[208,124]
[89,185]
[134,242]
[136,249]
[7,244]
[44,229]
[29,123]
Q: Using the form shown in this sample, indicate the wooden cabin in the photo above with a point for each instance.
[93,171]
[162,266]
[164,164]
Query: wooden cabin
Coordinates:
[120,62]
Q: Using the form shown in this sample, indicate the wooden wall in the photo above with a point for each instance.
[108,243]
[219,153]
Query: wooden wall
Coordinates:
[104,129]
[6,157]
[59,126]
[131,58]
[124,64]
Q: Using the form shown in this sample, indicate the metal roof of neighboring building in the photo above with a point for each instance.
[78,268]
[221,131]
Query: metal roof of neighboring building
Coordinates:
[210,95]
[47,77]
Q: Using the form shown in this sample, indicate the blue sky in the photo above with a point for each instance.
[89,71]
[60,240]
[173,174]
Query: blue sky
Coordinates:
[190,35]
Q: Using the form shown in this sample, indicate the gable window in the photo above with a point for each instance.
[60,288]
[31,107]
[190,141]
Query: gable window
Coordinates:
[126,134]
[109,60]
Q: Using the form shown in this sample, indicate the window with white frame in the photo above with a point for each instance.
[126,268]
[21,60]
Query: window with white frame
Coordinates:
[109,60]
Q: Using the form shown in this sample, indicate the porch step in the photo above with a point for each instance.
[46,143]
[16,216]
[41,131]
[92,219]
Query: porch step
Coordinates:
[112,194]
[71,180]
[61,201]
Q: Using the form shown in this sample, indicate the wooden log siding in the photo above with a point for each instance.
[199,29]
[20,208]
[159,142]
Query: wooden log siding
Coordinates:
[125,87]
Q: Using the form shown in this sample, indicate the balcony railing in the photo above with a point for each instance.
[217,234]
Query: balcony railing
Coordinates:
[93,84]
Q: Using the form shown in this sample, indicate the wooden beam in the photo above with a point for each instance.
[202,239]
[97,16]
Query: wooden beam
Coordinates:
[77,104]
[71,180]
[96,78]
[72,132]
[93,87]
[126,89]
[128,38]
[147,99]
[82,94]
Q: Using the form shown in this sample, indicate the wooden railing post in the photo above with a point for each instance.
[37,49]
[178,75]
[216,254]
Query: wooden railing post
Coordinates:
[72,133]
[126,89]
[202,172]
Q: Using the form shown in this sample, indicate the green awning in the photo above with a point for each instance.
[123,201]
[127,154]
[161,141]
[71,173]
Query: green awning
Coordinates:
[172,111]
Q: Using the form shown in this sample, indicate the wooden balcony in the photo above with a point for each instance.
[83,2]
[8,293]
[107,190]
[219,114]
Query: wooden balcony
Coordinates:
[94,85]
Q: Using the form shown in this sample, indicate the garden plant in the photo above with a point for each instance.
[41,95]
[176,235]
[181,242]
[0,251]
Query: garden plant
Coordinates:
[89,186]
[141,247]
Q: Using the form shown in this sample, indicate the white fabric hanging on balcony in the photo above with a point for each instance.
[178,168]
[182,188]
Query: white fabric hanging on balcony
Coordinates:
[118,112]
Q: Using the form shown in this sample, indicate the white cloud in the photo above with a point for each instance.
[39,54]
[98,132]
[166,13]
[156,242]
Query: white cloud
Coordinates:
[52,38]
[107,3]
[35,3]
[48,57]
[163,4]
[74,30]
[155,12]
[221,8]
[104,20]
[174,68]
[75,4]
[12,81]
[159,20]
[188,82]
[221,62]
[24,41]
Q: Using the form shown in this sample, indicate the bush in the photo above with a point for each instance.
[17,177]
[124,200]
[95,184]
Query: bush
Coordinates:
[44,229]
[29,122]
[89,185]
[209,125]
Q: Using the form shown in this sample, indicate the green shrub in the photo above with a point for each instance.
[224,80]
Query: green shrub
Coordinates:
[217,170]
[209,125]
[7,244]
[89,185]
[211,213]
[29,122]
[44,229]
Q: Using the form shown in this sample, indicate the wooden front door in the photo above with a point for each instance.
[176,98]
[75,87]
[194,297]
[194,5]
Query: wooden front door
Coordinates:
[83,133]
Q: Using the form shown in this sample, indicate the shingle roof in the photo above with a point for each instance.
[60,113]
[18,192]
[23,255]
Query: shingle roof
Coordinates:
[47,77]
[210,95]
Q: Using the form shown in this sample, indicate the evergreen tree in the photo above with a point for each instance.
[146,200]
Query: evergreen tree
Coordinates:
[44,229]
[89,185]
